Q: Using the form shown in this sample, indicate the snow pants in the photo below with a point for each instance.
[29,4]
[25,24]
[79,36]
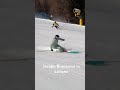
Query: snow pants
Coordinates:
[62,49]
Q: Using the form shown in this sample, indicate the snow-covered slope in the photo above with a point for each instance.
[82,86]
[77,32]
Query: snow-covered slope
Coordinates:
[46,78]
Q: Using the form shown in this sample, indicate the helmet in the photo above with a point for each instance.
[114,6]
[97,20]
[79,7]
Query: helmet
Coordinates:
[57,36]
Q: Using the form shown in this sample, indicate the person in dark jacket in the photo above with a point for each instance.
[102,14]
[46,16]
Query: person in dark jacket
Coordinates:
[56,25]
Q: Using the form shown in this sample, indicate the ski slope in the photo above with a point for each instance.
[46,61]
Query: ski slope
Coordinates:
[47,78]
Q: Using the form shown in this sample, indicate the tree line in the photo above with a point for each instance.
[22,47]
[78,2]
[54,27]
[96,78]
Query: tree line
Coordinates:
[61,8]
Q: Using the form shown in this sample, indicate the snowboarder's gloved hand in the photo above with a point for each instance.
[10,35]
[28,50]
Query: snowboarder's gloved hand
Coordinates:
[51,49]
[63,39]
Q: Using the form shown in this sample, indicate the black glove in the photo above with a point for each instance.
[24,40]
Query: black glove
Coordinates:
[63,39]
[51,49]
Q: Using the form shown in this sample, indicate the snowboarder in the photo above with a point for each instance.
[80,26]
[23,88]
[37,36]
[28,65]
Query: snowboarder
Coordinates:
[55,45]
[55,24]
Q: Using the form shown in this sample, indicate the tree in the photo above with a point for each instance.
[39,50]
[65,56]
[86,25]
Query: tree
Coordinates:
[61,8]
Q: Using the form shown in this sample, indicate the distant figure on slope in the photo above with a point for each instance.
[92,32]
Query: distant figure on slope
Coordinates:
[55,45]
[55,24]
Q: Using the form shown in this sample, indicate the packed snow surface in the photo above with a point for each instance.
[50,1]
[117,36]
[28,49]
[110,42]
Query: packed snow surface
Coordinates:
[57,70]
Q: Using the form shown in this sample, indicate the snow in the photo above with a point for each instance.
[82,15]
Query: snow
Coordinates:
[71,72]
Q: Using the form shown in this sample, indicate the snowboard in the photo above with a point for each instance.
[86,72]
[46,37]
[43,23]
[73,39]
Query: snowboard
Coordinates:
[72,51]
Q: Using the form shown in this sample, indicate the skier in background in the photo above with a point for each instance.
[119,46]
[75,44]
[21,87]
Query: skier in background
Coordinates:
[55,24]
[55,45]
[51,17]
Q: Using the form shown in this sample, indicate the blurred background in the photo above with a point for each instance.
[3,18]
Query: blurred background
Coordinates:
[61,10]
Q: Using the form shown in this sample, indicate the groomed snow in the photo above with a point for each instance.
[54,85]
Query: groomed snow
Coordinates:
[69,78]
